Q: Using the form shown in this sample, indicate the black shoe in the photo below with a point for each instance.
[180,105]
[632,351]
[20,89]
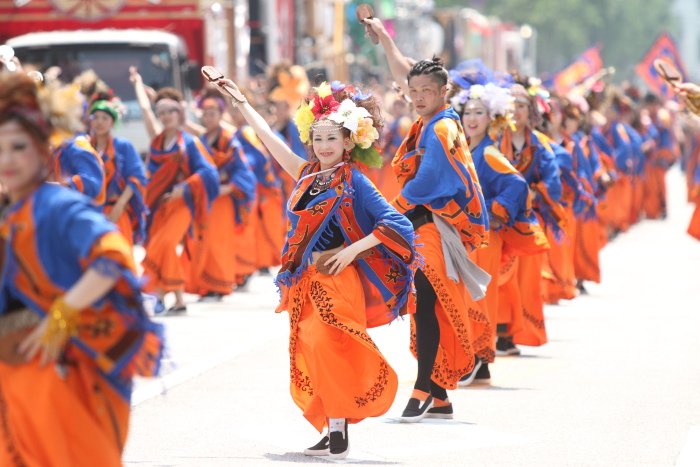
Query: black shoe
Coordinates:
[211,297]
[339,444]
[322,448]
[512,349]
[467,379]
[502,347]
[445,413]
[483,375]
[414,411]
[177,310]
[264,272]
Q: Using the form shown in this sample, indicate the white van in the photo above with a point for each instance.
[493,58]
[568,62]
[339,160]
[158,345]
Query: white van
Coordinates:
[160,57]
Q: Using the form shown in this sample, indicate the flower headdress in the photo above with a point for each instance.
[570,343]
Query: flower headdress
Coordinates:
[335,106]
[478,82]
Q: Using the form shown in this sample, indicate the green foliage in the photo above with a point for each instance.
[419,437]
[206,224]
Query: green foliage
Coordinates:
[370,157]
[565,28]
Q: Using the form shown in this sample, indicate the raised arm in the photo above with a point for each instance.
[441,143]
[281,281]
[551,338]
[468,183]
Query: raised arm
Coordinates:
[289,161]
[398,64]
[149,119]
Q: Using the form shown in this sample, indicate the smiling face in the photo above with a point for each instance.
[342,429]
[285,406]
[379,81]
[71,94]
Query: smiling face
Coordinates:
[428,96]
[22,161]
[169,118]
[521,115]
[329,143]
[475,119]
[101,123]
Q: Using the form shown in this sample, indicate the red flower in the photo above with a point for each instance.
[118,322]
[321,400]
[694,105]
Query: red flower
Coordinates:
[325,106]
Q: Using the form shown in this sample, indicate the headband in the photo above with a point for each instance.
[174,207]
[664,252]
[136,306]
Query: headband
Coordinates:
[105,106]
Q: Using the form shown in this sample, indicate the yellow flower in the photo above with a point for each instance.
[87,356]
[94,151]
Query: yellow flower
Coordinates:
[366,134]
[324,90]
[303,120]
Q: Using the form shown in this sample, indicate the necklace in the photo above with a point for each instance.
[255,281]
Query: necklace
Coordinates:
[320,185]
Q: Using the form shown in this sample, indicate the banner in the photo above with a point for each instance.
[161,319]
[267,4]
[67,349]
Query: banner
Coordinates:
[664,48]
[586,65]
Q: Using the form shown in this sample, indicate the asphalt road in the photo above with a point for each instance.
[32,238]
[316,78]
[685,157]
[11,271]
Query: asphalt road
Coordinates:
[617,385]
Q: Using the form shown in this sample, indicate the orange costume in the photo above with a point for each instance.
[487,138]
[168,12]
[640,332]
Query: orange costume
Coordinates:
[186,163]
[521,282]
[216,272]
[74,412]
[507,196]
[77,165]
[268,214]
[336,370]
[437,178]
[693,174]
[123,167]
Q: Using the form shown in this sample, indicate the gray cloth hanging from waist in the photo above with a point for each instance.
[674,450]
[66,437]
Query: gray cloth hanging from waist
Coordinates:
[458,263]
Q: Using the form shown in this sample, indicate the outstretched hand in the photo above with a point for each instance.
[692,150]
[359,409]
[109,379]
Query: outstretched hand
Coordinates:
[686,90]
[134,76]
[375,24]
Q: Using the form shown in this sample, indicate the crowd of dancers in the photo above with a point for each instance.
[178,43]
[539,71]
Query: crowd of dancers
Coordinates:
[466,199]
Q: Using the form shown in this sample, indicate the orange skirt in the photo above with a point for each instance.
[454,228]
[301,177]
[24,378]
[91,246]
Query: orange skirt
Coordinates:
[336,369]
[161,265]
[271,224]
[123,224]
[529,280]
[619,199]
[694,227]
[465,330]
[654,192]
[510,308]
[587,250]
[214,271]
[489,259]
[558,276]
[47,420]
[245,250]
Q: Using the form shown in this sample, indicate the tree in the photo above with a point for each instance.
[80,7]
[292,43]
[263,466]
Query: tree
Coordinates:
[565,28]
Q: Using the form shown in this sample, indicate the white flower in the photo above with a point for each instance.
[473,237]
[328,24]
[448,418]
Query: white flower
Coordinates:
[349,115]
[476,91]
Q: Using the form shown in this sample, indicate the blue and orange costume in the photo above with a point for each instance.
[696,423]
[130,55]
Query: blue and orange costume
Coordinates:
[663,156]
[518,232]
[77,165]
[336,369]
[227,219]
[186,163]
[437,178]
[75,411]
[268,212]
[123,167]
[521,286]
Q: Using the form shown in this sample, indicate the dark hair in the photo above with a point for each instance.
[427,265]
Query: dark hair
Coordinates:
[169,93]
[434,67]
[19,102]
[651,98]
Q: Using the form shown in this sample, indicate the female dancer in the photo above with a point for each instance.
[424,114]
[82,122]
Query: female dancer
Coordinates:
[485,108]
[125,176]
[216,273]
[338,375]
[182,182]
[532,156]
[73,331]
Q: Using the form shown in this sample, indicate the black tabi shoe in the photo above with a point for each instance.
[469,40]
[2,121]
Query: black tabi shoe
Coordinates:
[512,349]
[483,376]
[445,413]
[211,297]
[177,310]
[339,444]
[416,410]
[322,448]
[502,347]
[468,379]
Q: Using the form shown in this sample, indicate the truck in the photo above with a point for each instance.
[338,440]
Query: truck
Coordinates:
[164,41]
